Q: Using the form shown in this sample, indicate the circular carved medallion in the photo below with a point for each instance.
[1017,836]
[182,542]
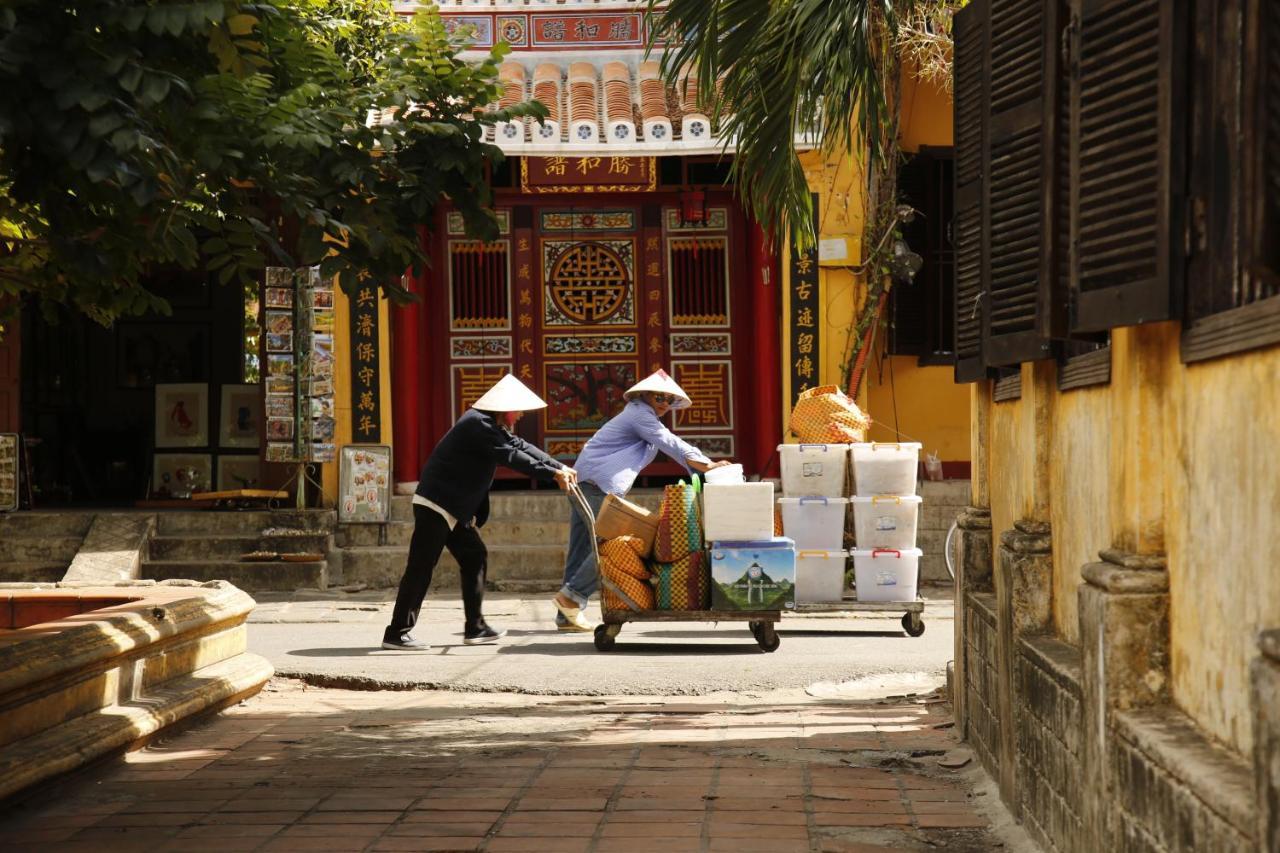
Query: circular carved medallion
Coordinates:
[589,283]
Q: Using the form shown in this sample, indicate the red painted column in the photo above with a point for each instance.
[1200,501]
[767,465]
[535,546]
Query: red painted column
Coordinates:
[766,317]
[407,388]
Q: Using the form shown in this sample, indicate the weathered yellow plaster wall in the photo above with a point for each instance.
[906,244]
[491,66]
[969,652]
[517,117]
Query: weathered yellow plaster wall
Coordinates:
[931,408]
[925,116]
[1080,483]
[1170,458]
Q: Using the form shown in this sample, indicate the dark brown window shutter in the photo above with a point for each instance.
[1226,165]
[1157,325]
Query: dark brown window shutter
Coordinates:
[970,31]
[1127,169]
[1261,278]
[1020,186]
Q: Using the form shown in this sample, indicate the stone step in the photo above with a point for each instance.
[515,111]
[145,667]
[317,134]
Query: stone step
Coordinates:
[31,571]
[229,548]
[950,492]
[45,524]
[248,523]
[497,532]
[43,548]
[250,577]
[545,505]
[381,567]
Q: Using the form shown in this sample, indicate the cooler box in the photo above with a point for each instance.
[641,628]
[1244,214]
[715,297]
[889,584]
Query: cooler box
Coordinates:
[814,523]
[886,521]
[757,575]
[881,468]
[737,511]
[813,469]
[885,574]
[820,576]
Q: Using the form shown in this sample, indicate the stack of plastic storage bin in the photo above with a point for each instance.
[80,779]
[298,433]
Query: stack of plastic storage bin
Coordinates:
[886,561]
[813,510]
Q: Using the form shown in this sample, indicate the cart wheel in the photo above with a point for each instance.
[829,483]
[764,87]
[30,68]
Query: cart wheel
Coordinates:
[767,637]
[604,638]
[912,624]
[756,629]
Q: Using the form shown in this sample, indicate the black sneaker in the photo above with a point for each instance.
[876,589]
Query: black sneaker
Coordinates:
[405,644]
[483,634]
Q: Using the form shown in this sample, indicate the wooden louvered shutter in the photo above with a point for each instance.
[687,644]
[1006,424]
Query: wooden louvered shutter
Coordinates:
[1262,140]
[1127,163]
[970,31]
[1023,304]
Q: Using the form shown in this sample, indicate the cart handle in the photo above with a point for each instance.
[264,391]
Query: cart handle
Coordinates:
[886,498]
[814,499]
[894,551]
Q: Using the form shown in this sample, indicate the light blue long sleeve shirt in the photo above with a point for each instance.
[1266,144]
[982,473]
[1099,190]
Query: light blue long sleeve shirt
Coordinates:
[629,441]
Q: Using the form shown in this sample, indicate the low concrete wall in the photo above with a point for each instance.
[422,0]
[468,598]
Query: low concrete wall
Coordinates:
[90,680]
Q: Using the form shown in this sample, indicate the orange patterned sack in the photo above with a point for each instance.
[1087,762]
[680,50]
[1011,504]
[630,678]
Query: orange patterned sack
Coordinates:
[624,554]
[640,592]
[826,415]
[679,522]
[684,584]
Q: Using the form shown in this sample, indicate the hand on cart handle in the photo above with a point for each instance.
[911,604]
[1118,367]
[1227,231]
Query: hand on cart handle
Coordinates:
[566,477]
[701,468]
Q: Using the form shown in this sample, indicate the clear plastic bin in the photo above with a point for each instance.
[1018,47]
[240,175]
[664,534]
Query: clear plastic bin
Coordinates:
[885,468]
[815,523]
[820,576]
[738,511]
[886,521]
[886,574]
[814,469]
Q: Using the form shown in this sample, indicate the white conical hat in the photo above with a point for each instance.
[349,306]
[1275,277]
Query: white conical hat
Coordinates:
[509,395]
[660,383]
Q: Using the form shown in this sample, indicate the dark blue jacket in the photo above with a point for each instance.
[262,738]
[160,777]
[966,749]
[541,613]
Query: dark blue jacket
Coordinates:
[460,470]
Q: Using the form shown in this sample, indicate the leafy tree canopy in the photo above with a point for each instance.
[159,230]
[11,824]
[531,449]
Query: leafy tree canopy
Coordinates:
[137,134]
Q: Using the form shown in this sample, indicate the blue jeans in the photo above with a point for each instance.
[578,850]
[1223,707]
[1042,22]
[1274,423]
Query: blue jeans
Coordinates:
[580,570]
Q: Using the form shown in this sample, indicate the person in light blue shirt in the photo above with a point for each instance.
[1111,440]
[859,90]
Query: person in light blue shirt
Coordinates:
[609,465]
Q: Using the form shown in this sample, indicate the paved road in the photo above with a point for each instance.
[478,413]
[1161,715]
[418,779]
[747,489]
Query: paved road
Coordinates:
[333,640]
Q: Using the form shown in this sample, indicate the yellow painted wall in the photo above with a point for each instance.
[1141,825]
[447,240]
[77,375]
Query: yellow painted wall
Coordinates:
[342,384]
[1168,457]
[931,408]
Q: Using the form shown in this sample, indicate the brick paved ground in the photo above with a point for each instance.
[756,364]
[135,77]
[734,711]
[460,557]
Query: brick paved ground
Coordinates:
[300,768]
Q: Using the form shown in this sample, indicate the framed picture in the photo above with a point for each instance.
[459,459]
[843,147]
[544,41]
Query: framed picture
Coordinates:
[240,416]
[178,475]
[364,483]
[239,472]
[182,415]
[8,471]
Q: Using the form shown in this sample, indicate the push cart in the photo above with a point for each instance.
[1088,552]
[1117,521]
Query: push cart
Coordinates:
[912,611]
[760,622]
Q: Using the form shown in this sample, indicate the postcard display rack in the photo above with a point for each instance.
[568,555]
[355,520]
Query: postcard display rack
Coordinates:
[298,348]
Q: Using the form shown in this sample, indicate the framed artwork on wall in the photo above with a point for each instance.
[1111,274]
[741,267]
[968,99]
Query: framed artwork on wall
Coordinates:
[182,415]
[240,416]
[239,472]
[178,475]
[364,484]
[148,353]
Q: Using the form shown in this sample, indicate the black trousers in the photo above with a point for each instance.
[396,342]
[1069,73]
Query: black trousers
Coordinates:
[431,535]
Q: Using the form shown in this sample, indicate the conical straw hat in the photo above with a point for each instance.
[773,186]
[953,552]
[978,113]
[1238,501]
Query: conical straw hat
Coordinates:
[509,395]
[660,383]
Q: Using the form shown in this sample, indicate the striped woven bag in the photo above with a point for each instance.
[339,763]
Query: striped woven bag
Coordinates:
[621,566]
[679,522]
[684,584]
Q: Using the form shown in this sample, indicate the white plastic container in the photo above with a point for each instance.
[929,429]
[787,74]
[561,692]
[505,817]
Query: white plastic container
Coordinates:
[737,511]
[885,521]
[813,469]
[725,474]
[884,468]
[820,576]
[886,574]
[815,523]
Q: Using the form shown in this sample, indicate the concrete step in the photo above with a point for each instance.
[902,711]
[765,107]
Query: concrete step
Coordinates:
[45,548]
[381,567]
[31,571]
[545,505]
[248,523]
[45,524]
[950,492]
[250,577]
[229,548]
[497,532]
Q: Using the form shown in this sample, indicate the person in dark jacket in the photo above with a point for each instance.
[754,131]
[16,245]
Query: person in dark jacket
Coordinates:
[452,503]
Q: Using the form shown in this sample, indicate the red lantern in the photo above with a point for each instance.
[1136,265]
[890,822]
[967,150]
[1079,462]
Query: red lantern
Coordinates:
[693,208]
